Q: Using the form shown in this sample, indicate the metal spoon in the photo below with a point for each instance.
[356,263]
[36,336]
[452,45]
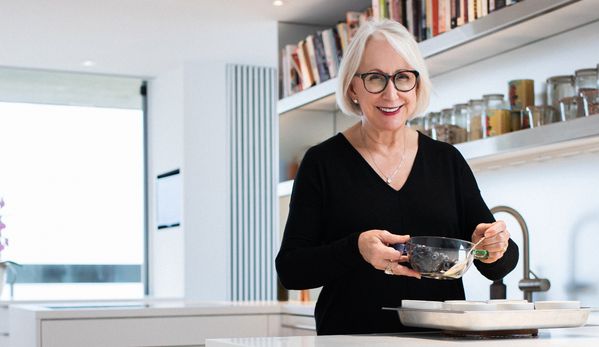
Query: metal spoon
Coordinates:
[461,265]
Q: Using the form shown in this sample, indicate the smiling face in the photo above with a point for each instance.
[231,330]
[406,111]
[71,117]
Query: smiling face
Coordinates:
[390,109]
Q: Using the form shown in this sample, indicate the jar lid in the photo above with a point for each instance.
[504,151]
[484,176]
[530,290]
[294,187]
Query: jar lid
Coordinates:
[589,71]
[472,101]
[487,96]
[561,78]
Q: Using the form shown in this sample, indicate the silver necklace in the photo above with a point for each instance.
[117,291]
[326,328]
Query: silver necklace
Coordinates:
[388,179]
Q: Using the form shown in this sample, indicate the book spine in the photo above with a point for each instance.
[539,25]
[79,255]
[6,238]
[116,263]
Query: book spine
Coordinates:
[330,50]
[343,37]
[435,18]
[376,11]
[321,58]
[305,66]
[312,58]
[453,14]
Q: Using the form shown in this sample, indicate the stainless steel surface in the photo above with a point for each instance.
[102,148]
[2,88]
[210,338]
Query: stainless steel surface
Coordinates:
[493,320]
[526,284]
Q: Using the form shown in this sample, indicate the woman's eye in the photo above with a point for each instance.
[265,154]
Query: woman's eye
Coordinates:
[376,78]
[402,77]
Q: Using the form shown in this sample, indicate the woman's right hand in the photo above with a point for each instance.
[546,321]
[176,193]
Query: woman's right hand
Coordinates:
[374,248]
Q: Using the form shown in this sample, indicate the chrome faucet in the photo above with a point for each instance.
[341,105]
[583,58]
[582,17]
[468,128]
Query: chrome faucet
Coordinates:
[526,284]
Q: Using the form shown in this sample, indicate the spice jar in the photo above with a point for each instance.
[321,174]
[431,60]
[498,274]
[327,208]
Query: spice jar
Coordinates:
[585,78]
[497,119]
[475,107]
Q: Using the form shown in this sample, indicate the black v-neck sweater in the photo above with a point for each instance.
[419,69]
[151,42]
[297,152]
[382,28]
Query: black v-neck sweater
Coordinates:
[337,195]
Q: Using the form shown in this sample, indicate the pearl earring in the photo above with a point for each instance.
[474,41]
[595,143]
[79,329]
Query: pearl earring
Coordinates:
[355,101]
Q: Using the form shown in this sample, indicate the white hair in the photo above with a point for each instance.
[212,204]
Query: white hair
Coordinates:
[403,42]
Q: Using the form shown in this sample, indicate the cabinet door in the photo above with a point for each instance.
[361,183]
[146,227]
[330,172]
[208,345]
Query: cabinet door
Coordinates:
[150,331]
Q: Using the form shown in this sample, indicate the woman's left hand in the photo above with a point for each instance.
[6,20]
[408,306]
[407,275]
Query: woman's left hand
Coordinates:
[496,239]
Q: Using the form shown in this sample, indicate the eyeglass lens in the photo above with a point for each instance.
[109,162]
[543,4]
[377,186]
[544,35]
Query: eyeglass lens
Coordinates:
[376,82]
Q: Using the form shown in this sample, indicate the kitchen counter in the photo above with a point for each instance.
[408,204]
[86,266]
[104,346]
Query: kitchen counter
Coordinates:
[149,323]
[583,336]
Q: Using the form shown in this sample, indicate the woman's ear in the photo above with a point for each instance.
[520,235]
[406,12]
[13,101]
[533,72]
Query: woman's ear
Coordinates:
[352,93]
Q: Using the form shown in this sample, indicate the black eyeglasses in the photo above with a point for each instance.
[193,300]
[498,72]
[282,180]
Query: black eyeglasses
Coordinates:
[376,82]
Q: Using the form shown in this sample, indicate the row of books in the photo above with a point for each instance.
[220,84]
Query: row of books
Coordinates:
[428,18]
[316,58]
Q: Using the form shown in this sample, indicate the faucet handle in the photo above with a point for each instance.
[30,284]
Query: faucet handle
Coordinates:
[534,284]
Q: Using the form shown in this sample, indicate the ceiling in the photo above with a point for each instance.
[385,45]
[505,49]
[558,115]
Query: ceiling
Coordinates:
[139,37]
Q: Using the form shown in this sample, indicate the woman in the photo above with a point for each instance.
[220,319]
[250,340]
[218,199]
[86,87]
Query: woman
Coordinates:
[372,186]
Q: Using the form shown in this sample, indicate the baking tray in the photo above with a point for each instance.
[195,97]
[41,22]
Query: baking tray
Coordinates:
[493,320]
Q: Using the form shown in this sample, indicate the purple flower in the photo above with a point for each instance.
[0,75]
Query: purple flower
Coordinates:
[1,202]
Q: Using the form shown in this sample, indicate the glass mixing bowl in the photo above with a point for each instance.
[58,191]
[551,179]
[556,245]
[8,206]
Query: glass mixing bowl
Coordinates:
[433,256]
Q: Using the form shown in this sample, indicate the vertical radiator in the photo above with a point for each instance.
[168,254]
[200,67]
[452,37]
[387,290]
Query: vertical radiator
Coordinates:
[251,100]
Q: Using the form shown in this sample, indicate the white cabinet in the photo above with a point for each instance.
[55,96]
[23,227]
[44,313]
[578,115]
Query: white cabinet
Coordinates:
[166,324]
[150,331]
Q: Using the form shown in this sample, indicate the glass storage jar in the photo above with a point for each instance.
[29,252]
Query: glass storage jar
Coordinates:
[430,120]
[585,78]
[497,119]
[417,123]
[559,87]
[442,129]
[460,123]
[475,107]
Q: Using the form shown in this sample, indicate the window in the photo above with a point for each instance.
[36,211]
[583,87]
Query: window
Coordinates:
[72,177]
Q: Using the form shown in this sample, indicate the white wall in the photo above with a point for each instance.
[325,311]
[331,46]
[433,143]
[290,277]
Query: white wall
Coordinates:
[559,199]
[165,149]
[188,129]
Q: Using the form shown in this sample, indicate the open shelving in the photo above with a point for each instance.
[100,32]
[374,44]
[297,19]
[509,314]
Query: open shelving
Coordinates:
[547,142]
[510,28]
[501,31]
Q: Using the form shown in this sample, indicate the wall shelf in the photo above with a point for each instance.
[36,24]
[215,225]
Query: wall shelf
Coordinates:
[509,28]
[550,141]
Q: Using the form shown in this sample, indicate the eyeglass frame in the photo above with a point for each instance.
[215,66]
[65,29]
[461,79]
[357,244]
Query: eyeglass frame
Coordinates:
[387,78]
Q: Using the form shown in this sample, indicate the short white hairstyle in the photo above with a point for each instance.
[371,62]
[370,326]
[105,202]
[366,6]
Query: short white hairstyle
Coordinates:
[403,42]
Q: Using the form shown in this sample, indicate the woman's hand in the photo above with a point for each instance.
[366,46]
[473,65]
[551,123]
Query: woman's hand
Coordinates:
[374,248]
[496,239]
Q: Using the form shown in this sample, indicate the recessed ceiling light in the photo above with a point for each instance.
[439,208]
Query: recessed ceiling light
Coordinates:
[88,63]
[278,3]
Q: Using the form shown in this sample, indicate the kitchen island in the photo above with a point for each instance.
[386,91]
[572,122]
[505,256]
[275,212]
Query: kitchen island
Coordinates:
[583,336]
[152,322]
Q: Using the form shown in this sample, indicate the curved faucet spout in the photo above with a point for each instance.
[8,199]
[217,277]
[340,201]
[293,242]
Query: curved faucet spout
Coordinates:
[526,284]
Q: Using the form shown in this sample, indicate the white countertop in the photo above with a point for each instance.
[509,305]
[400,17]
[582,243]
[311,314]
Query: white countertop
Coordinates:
[584,336]
[64,310]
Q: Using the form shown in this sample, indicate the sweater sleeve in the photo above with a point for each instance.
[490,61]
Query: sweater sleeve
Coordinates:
[304,260]
[475,211]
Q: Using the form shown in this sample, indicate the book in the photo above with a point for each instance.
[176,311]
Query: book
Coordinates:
[343,34]
[453,14]
[429,18]
[435,17]
[295,76]
[330,50]
[305,65]
[311,49]
[471,10]
[395,11]
[376,10]
[321,58]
